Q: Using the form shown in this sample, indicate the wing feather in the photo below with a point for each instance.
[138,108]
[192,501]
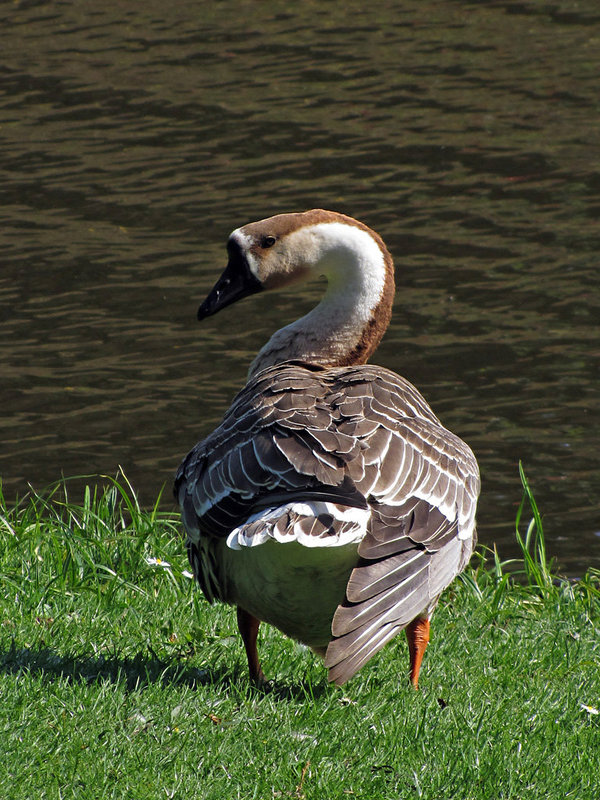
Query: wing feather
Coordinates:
[403,568]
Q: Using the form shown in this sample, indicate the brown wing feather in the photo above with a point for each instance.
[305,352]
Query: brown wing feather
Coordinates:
[402,570]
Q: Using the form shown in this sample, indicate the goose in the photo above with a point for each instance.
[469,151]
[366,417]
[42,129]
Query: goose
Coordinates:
[330,502]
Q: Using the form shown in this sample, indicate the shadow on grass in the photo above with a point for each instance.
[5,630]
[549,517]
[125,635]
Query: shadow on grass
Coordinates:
[142,671]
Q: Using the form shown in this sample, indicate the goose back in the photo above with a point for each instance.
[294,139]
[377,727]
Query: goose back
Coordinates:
[350,459]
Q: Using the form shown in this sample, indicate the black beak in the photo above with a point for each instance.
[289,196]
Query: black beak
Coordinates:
[237,281]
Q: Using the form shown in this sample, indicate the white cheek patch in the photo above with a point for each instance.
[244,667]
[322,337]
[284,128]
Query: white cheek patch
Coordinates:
[246,242]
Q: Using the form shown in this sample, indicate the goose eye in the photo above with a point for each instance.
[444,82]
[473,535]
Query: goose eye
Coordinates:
[268,241]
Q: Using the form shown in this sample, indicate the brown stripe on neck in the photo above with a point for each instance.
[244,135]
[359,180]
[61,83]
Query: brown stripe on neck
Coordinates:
[375,328]
[377,325]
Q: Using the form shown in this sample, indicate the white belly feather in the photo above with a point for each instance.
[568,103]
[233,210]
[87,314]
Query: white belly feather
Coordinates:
[290,565]
[295,588]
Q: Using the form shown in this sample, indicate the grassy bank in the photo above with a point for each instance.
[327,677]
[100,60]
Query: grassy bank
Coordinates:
[119,681]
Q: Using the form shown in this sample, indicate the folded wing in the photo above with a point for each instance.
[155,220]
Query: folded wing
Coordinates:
[360,437]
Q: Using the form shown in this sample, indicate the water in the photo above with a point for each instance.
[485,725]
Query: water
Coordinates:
[134,138]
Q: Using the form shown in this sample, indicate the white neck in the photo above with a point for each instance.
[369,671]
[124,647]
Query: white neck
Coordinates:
[340,329]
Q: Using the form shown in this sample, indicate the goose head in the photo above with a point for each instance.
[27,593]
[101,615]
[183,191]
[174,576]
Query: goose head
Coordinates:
[348,323]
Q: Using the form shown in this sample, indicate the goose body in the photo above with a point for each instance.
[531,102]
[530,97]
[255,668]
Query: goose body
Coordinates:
[330,502]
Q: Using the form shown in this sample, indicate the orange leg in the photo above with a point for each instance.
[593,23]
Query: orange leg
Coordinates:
[417,633]
[248,627]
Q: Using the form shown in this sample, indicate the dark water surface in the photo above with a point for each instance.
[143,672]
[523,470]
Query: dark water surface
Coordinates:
[135,136]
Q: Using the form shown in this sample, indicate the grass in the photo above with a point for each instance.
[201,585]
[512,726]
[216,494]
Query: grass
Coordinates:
[119,681]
